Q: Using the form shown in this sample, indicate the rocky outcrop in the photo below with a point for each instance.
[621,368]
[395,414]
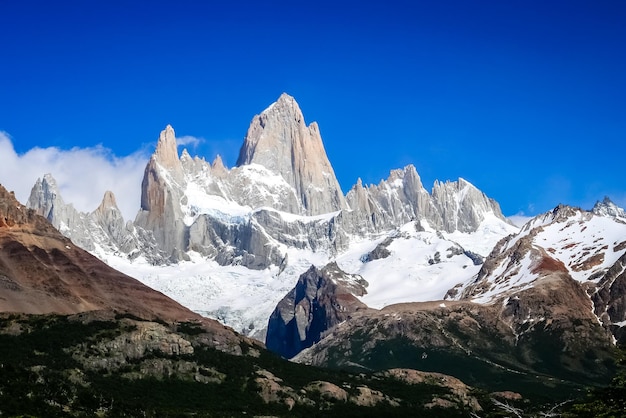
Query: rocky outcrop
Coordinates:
[320,300]
[45,198]
[162,189]
[452,206]
[279,140]
[606,207]
[609,299]
[458,389]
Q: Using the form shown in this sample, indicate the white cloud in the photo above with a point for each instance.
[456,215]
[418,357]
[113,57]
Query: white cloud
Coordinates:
[82,174]
[188,140]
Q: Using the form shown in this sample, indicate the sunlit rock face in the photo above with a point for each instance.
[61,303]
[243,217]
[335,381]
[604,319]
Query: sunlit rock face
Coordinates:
[452,206]
[243,216]
[279,140]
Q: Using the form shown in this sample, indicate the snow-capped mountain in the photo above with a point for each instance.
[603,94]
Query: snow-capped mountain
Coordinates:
[544,310]
[586,246]
[230,243]
[607,208]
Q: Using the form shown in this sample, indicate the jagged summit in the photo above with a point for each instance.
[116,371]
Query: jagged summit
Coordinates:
[108,201]
[606,207]
[166,152]
[45,196]
[280,208]
[279,140]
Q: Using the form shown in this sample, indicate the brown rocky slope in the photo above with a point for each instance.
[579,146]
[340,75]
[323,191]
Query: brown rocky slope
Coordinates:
[43,272]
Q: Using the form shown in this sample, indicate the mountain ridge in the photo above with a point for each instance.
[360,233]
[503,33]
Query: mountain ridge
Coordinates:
[253,225]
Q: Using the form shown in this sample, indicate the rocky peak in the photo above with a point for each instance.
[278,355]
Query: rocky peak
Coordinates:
[166,153]
[279,140]
[401,175]
[463,206]
[560,213]
[45,197]
[185,156]
[607,208]
[108,202]
[108,214]
[320,300]
[162,189]
[218,167]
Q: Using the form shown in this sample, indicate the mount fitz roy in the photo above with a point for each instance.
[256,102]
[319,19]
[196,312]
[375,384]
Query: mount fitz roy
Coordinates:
[279,210]
[244,215]
[273,246]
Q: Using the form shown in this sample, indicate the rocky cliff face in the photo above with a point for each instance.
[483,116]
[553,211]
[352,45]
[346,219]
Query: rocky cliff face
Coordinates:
[161,191]
[607,208]
[188,204]
[452,206]
[102,232]
[320,300]
[279,140]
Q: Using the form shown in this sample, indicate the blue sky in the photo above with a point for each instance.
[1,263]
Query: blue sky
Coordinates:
[525,99]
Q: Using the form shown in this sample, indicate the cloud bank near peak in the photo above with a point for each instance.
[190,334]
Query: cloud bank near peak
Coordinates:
[82,174]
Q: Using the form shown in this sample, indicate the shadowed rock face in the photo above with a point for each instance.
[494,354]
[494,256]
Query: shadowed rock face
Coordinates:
[320,300]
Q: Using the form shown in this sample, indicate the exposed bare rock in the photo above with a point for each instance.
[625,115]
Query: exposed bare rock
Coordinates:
[462,205]
[162,189]
[272,390]
[507,395]
[142,339]
[45,198]
[458,389]
[279,140]
[370,397]
[607,208]
[609,299]
[452,206]
[381,251]
[218,167]
[327,391]
[320,300]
